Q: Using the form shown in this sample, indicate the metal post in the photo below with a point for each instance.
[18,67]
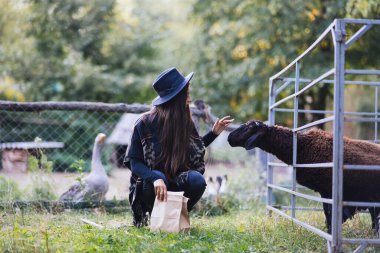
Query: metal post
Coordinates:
[295,125]
[271,120]
[337,191]
[376,111]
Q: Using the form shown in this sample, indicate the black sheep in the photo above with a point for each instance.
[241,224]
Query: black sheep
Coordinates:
[316,146]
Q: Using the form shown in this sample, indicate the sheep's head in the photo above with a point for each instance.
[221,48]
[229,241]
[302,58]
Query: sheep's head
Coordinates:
[247,135]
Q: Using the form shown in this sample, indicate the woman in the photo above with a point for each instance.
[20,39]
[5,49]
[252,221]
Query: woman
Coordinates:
[166,152]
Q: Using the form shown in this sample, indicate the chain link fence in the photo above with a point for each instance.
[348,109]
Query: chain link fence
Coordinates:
[44,145]
[66,135]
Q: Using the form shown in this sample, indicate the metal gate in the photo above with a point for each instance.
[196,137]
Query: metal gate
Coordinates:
[338,116]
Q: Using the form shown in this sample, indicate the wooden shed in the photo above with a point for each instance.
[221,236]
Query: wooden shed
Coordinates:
[121,136]
[15,154]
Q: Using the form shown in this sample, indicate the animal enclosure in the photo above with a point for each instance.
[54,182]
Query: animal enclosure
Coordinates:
[290,93]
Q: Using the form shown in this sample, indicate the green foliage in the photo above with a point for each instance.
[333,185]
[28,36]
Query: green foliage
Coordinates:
[9,190]
[40,167]
[42,191]
[79,50]
[216,206]
[79,167]
[111,50]
[243,43]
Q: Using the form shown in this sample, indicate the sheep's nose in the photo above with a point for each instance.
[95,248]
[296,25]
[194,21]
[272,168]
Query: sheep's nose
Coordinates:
[231,140]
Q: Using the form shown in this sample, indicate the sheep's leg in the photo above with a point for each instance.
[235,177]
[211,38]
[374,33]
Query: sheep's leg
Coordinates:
[327,211]
[375,218]
[348,212]
[377,225]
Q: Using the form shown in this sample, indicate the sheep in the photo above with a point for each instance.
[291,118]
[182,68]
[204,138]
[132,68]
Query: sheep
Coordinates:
[316,146]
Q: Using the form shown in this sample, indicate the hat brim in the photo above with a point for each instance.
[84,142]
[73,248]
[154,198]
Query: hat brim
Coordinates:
[160,100]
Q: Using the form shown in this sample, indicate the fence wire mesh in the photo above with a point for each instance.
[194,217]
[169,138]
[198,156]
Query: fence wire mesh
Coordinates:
[74,130]
[46,148]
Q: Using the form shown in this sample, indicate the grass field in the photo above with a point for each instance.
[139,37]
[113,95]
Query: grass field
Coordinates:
[237,231]
[237,222]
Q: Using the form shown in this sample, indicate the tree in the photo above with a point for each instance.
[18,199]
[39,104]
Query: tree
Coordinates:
[79,50]
[244,42]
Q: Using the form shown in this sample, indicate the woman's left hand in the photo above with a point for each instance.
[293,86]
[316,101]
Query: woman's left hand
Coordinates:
[221,124]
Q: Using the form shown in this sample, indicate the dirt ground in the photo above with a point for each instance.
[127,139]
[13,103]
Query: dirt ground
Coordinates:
[118,180]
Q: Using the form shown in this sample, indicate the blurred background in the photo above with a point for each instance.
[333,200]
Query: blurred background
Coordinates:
[110,51]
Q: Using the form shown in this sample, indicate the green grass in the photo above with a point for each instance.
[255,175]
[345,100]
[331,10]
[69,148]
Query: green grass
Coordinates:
[232,223]
[237,231]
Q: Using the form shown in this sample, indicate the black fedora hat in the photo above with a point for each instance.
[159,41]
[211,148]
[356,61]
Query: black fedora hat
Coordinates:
[168,84]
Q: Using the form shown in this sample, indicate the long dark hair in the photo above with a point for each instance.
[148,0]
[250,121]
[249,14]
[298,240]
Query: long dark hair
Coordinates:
[175,128]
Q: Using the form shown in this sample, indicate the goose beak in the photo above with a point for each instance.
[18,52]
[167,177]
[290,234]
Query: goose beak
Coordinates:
[101,138]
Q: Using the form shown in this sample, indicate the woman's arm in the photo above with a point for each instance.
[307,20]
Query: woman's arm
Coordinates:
[209,138]
[143,171]
[219,126]
[134,158]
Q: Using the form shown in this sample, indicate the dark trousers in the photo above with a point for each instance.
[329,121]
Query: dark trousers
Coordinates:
[191,182]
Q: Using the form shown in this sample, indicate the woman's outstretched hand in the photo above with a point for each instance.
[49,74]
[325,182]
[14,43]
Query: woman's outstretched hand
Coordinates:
[160,189]
[221,124]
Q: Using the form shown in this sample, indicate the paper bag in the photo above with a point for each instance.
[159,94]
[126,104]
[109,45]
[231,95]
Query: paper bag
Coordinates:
[172,215]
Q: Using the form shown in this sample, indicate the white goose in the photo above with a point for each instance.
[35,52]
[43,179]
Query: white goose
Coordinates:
[94,186]
[211,188]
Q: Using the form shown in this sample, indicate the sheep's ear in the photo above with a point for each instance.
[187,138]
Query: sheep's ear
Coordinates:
[253,140]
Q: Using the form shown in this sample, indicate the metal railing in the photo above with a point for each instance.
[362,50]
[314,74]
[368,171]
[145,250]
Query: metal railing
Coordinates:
[278,84]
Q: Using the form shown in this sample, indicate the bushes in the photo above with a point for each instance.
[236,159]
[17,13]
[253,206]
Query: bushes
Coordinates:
[218,205]
[9,190]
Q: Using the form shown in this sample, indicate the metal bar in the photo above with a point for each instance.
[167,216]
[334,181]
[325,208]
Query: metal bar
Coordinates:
[314,209]
[316,81]
[361,167]
[363,204]
[339,53]
[311,84]
[360,248]
[357,35]
[358,241]
[314,165]
[302,111]
[278,164]
[362,113]
[376,111]
[302,195]
[328,81]
[271,121]
[327,112]
[303,224]
[305,80]
[320,38]
[72,106]
[289,186]
[362,72]
[329,248]
[281,101]
[282,87]
[360,21]
[295,125]
[351,119]
[364,83]
[314,123]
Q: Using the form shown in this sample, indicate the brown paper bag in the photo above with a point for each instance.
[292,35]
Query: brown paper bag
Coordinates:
[172,215]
